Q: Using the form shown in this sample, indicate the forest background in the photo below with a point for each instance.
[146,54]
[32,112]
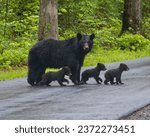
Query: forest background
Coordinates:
[19,24]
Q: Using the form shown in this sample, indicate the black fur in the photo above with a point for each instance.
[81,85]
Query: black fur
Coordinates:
[93,73]
[55,76]
[115,73]
[56,54]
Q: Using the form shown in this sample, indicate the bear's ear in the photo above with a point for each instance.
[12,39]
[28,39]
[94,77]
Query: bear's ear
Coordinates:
[92,36]
[79,36]
[98,64]
[121,64]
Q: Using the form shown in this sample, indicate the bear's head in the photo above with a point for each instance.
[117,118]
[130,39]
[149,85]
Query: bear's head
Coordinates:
[85,42]
[101,66]
[67,70]
[124,67]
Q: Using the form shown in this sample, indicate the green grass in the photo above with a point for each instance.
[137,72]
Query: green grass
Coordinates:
[101,56]
[109,56]
[11,74]
[16,73]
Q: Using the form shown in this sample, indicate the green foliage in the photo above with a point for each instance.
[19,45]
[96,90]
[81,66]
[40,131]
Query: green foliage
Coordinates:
[107,37]
[21,18]
[88,16]
[14,53]
[19,27]
[18,31]
[146,8]
[133,42]
[146,27]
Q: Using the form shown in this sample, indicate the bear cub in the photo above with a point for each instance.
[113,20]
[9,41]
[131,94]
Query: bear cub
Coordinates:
[58,76]
[115,73]
[89,73]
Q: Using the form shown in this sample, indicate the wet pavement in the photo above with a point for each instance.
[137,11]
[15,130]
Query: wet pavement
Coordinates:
[18,100]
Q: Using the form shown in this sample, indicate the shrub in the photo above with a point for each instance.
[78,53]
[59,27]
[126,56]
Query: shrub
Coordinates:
[132,42]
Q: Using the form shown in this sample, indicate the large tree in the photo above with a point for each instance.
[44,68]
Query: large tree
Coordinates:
[48,20]
[131,16]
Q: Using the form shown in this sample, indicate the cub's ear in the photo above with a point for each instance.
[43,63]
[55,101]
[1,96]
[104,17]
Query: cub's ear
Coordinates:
[92,36]
[121,64]
[79,36]
[98,64]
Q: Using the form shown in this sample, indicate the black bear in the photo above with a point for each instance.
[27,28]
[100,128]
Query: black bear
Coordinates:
[55,76]
[93,73]
[115,73]
[57,54]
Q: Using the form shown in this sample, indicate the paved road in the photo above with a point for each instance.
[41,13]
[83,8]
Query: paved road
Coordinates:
[18,100]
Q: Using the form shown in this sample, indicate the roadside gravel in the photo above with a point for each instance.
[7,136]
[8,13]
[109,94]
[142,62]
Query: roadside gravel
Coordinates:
[141,114]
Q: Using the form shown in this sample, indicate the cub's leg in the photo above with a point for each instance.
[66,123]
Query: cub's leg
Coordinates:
[97,80]
[66,80]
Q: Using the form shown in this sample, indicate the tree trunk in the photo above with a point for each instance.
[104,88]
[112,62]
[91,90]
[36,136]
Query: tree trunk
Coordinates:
[131,16]
[48,20]
[6,17]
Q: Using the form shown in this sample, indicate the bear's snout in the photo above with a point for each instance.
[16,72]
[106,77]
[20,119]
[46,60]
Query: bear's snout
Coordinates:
[127,69]
[86,47]
[105,68]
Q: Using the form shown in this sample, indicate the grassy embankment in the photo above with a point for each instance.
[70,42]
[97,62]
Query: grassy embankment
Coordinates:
[102,56]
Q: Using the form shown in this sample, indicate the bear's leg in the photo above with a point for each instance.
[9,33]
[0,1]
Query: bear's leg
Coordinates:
[40,72]
[83,81]
[97,80]
[73,77]
[118,80]
[41,83]
[100,79]
[60,83]
[84,78]
[106,82]
[32,74]
[48,83]
[112,80]
[107,79]
[66,80]
[33,65]
[78,74]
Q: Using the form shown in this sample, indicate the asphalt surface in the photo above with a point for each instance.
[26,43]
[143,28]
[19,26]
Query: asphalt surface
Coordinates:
[18,100]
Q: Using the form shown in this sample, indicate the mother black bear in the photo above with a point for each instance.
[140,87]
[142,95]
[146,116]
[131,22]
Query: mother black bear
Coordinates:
[51,53]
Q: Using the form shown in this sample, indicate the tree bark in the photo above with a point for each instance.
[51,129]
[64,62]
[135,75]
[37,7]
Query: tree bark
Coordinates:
[6,17]
[132,16]
[48,20]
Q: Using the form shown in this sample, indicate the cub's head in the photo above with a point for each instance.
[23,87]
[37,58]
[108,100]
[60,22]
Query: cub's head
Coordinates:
[124,67]
[101,66]
[67,70]
[85,42]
